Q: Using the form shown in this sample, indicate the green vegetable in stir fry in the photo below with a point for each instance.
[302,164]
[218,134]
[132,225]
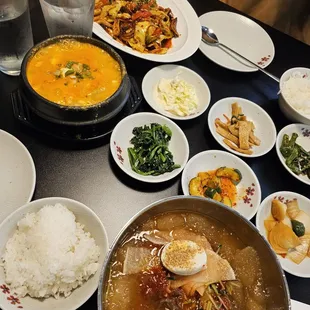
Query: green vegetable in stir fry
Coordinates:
[296,157]
[150,154]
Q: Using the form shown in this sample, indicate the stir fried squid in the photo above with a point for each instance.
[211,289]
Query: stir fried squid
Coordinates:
[141,24]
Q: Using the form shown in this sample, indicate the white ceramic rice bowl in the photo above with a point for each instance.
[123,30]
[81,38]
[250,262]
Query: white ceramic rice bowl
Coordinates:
[290,112]
[79,296]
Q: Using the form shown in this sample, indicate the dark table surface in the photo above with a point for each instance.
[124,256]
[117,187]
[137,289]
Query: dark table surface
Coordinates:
[89,174]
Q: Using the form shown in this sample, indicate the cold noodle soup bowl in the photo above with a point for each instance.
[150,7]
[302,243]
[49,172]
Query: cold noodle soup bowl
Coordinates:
[164,218]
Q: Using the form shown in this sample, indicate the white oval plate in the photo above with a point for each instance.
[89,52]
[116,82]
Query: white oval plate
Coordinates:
[248,190]
[122,134]
[264,211]
[242,35]
[152,78]
[80,295]
[303,140]
[183,47]
[17,174]
[265,129]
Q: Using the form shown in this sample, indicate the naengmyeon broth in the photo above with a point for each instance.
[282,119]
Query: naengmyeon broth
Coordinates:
[149,288]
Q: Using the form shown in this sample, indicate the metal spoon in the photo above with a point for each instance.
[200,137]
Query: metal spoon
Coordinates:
[210,38]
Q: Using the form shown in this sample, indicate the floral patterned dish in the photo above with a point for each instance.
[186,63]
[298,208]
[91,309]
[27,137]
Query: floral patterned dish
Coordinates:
[299,270]
[248,190]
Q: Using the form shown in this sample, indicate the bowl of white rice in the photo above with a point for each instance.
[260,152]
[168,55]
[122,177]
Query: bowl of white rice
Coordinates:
[294,98]
[51,254]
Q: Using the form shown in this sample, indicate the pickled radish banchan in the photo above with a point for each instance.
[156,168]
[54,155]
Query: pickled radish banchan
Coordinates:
[184,261]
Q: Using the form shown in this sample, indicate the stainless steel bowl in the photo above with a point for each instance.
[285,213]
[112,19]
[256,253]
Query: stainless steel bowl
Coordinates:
[274,277]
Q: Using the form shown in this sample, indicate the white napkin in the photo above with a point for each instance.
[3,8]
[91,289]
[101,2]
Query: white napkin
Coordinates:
[296,305]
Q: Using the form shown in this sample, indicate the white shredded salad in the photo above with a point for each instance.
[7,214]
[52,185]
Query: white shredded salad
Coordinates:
[49,254]
[296,91]
[177,96]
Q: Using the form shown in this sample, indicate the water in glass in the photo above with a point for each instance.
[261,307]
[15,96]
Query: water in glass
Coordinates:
[15,35]
[68,16]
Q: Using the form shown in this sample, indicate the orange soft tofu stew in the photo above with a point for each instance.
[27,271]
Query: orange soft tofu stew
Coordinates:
[72,73]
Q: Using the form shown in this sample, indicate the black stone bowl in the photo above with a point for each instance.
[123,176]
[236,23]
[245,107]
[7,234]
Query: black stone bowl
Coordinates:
[75,115]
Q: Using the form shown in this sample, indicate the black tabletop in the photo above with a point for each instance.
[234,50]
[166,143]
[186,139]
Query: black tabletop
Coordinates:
[88,173]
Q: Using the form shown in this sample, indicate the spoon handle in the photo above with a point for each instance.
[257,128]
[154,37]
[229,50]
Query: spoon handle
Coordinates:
[252,63]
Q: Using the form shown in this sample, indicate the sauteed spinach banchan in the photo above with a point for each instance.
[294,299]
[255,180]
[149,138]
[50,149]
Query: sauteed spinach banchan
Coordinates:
[150,153]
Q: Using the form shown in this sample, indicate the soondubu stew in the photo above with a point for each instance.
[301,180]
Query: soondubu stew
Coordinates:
[73,73]
[184,261]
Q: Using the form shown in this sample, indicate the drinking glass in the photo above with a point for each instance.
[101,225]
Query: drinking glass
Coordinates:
[68,16]
[15,34]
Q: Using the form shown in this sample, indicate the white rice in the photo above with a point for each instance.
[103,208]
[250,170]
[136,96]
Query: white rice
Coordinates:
[296,91]
[49,254]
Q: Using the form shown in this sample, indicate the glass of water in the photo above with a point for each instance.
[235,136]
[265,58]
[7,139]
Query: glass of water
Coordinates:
[15,34]
[68,16]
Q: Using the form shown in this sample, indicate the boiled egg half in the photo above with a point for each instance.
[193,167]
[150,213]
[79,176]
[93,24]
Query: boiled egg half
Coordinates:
[183,257]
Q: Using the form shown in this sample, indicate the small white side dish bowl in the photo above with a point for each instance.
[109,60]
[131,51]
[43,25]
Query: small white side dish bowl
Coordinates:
[80,295]
[248,190]
[303,269]
[122,134]
[152,78]
[265,129]
[290,112]
[303,140]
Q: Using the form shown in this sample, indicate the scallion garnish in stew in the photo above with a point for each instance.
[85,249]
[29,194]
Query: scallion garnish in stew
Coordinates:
[76,70]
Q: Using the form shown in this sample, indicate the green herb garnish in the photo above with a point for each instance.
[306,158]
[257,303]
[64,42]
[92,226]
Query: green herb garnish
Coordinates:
[218,248]
[79,75]
[69,72]
[75,69]
[70,64]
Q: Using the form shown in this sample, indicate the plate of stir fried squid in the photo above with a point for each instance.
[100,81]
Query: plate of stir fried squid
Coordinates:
[156,30]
